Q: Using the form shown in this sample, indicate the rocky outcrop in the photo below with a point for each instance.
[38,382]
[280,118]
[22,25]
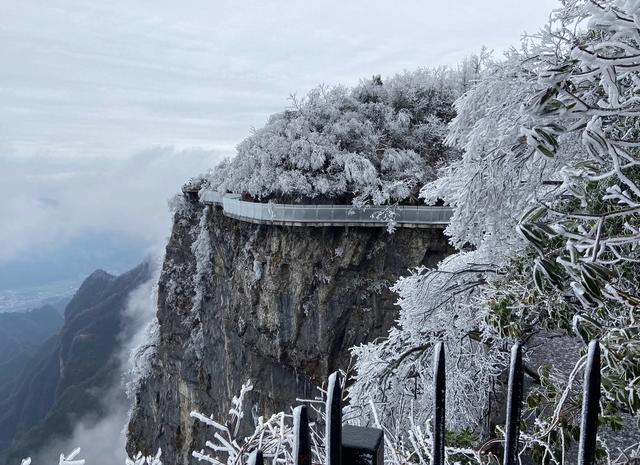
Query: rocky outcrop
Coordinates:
[278,305]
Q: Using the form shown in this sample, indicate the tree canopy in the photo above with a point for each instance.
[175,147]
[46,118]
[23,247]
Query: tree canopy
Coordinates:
[375,143]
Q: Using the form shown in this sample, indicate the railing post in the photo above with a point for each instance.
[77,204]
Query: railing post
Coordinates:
[439,396]
[514,406]
[333,433]
[353,445]
[590,406]
[256,458]
[302,441]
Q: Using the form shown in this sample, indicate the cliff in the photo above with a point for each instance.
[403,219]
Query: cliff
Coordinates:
[278,305]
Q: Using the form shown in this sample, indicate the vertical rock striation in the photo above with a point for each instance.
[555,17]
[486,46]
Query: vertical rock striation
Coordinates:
[278,305]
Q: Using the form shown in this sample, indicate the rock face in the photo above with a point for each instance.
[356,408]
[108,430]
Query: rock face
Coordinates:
[278,305]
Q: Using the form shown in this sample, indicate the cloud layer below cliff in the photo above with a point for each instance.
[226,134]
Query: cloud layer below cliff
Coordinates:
[49,204]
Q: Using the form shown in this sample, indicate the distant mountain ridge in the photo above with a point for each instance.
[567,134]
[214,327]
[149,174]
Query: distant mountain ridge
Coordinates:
[71,371]
[24,299]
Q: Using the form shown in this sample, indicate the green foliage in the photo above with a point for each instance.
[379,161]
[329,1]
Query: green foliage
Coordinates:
[586,234]
[465,438]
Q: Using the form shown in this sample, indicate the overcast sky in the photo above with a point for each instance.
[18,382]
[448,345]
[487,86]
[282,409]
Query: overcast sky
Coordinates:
[104,102]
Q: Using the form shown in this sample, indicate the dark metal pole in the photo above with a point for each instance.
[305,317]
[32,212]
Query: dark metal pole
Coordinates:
[333,433]
[514,406]
[439,397]
[256,458]
[590,407]
[302,441]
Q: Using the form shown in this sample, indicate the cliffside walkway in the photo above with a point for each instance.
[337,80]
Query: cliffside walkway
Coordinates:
[327,215]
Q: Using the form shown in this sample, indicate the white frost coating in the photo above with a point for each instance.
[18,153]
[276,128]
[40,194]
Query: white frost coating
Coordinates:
[142,357]
[297,412]
[177,204]
[71,458]
[425,297]
[237,410]
[375,143]
[141,320]
[257,269]
[201,249]
[208,421]
[202,457]
[448,304]
[273,436]
[548,190]
[140,459]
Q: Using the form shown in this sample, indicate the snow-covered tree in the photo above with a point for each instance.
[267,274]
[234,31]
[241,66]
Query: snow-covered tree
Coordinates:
[447,304]
[546,220]
[587,234]
[377,142]
[470,69]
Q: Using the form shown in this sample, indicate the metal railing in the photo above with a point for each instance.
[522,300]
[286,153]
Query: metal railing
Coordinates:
[353,444]
[327,215]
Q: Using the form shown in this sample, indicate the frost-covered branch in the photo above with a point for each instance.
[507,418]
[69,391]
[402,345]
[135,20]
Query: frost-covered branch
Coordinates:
[375,143]
[72,459]
[549,194]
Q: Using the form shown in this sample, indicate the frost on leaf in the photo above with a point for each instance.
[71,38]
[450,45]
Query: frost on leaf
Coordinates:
[546,199]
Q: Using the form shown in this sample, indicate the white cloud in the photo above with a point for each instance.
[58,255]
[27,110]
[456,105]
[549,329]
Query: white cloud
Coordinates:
[101,440]
[90,78]
[48,201]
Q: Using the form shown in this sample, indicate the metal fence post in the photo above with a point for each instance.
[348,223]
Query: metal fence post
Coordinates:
[590,407]
[302,441]
[333,434]
[514,406]
[439,396]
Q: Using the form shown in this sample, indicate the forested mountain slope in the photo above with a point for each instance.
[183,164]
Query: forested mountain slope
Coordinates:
[72,370]
[21,334]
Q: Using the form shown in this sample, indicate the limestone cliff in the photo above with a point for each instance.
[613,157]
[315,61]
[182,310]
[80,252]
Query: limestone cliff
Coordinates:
[278,305]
